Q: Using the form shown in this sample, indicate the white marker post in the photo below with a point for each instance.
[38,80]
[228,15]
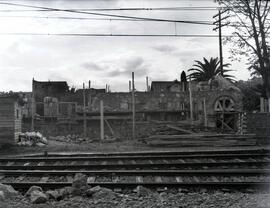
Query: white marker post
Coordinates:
[101,120]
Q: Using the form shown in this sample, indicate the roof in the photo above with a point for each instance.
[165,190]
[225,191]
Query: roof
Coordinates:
[51,82]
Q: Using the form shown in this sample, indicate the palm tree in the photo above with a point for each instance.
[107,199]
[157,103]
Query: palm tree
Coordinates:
[209,69]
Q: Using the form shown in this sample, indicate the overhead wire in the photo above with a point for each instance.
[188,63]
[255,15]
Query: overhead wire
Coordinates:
[118,35]
[106,14]
[83,18]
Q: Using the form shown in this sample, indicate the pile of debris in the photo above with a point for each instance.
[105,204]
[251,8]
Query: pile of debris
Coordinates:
[32,139]
[75,138]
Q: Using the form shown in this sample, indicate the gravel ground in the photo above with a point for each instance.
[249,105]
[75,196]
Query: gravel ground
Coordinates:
[164,200]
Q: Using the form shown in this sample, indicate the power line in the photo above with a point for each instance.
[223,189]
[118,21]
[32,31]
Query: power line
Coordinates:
[84,18]
[105,14]
[189,8]
[117,35]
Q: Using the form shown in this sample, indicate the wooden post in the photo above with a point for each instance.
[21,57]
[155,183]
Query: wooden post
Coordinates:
[190,102]
[147,86]
[89,96]
[101,120]
[261,104]
[129,87]
[133,107]
[205,113]
[33,107]
[84,113]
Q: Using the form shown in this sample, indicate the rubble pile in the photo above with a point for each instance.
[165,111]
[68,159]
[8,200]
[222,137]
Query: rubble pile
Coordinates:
[75,138]
[32,139]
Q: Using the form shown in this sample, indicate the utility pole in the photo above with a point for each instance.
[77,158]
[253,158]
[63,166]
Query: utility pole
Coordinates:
[147,85]
[219,25]
[89,95]
[33,107]
[133,107]
[84,113]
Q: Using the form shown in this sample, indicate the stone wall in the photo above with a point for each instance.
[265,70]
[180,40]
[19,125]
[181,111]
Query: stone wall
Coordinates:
[169,101]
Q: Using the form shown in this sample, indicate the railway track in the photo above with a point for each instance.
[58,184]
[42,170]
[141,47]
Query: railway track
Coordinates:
[231,169]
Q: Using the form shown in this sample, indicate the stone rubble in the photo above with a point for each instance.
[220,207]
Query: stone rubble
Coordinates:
[8,191]
[38,197]
[32,139]
[141,197]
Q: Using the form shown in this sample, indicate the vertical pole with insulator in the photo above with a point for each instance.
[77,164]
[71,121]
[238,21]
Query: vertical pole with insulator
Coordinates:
[133,107]
[220,43]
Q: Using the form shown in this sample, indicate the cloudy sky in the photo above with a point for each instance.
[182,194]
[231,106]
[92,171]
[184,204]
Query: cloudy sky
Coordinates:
[103,60]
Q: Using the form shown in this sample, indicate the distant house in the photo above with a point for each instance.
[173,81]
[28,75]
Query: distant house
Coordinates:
[55,89]
[10,119]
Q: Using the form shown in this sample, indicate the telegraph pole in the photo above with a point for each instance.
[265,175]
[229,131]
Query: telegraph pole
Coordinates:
[133,107]
[219,25]
[84,113]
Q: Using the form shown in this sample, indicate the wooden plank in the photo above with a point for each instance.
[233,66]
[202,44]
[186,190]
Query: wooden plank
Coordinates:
[180,129]
[109,126]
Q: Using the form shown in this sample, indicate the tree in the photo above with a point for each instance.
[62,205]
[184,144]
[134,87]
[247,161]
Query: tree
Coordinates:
[183,77]
[207,70]
[251,30]
[251,94]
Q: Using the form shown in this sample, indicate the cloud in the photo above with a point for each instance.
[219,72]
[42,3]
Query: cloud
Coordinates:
[165,48]
[135,64]
[91,66]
